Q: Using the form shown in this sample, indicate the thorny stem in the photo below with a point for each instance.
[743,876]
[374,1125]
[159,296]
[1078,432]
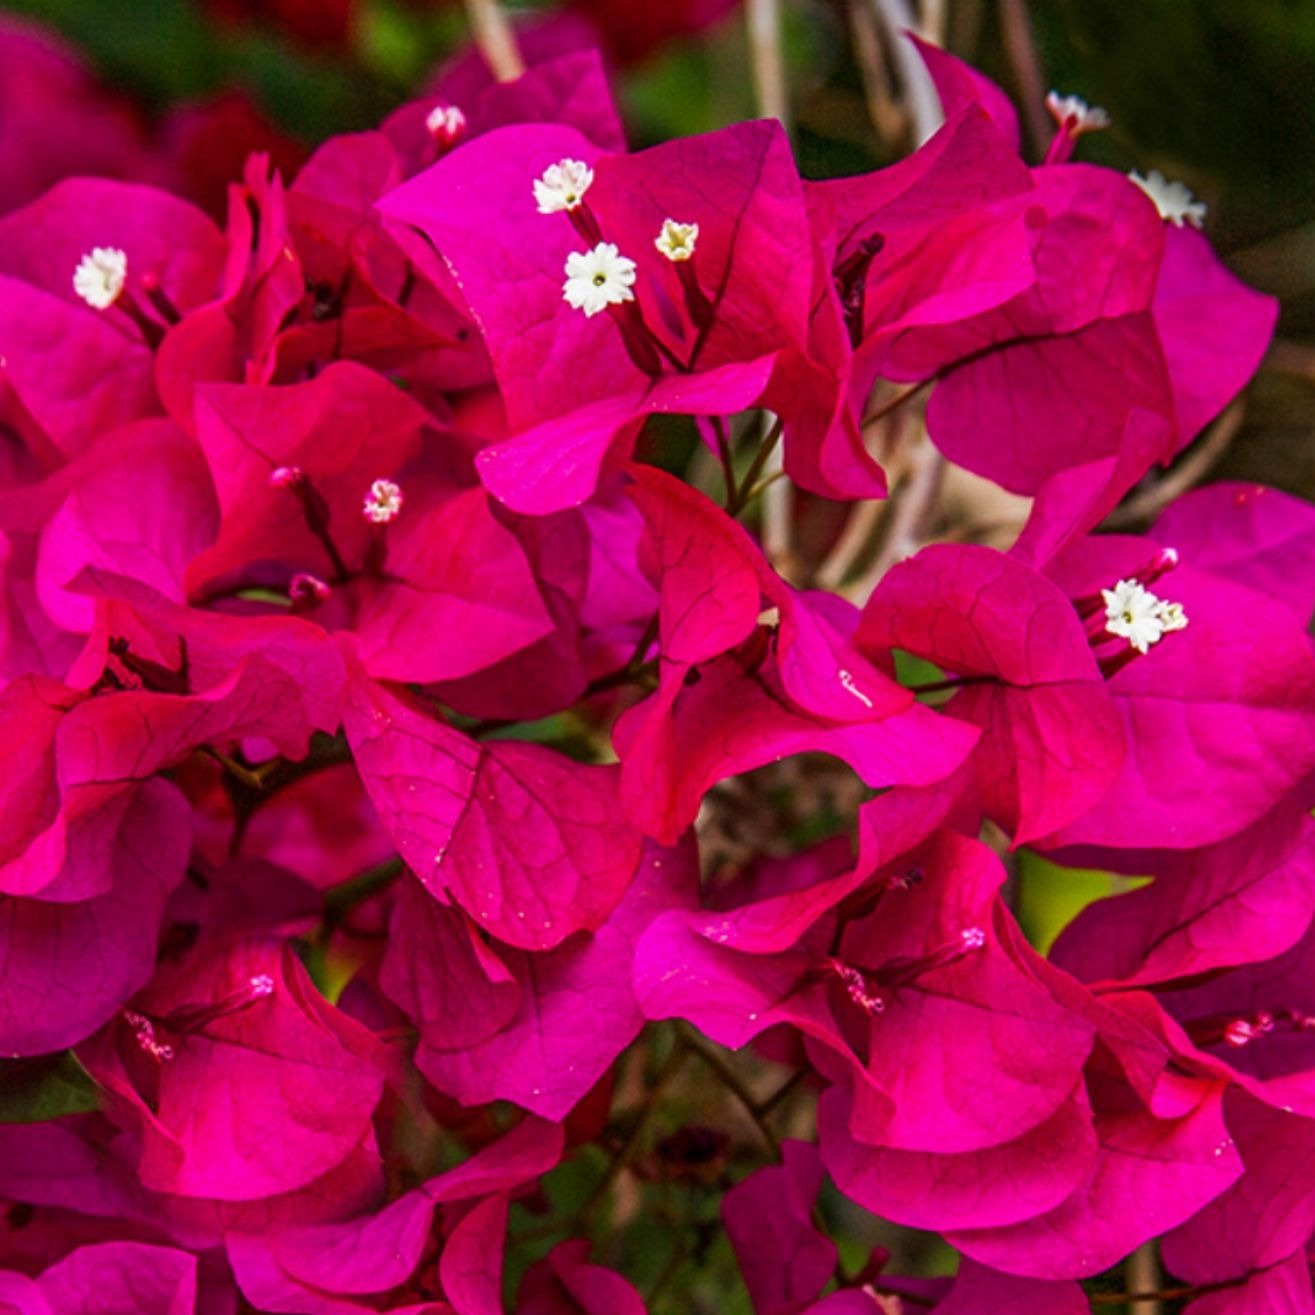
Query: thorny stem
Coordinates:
[730,1079]
[495,39]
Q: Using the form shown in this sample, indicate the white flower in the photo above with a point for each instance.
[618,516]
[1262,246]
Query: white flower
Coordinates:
[562,186]
[1073,113]
[1134,613]
[383,502]
[1172,617]
[676,241]
[100,276]
[599,278]
[1172,199]
[445,124]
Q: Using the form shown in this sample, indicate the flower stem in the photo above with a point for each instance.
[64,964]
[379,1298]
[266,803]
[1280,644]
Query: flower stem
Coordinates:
[733,503]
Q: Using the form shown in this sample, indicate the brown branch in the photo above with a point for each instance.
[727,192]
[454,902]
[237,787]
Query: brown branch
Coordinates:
[919,91]
[885,111]
[1194,467]
[861,522]
[495,39]
[763,19]
[1016,29]
[913,505]
[664,1079]
[730,1079]
[1142,1270]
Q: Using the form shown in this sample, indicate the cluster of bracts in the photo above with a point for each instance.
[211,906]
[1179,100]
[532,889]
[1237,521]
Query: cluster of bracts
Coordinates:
[362,691]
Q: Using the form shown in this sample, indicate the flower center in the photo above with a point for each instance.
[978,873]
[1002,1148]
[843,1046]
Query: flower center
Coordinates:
[383,502]
[598,279]
[100,276]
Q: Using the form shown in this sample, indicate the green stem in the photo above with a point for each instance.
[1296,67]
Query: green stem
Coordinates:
[341,899]
[727,464]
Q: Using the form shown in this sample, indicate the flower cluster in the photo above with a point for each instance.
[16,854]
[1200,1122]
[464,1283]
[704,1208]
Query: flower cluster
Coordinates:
[380,733]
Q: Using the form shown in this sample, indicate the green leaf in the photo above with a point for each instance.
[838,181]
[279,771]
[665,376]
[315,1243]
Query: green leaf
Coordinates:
[45,1087]
[1050,896]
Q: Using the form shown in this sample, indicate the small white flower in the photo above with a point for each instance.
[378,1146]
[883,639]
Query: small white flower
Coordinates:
[1073,113]
[1172,199]
[445,124]
[599,278]
[676,241]
[562,186]
[383,502]
[100,276]
[1134,613]
[1172,617]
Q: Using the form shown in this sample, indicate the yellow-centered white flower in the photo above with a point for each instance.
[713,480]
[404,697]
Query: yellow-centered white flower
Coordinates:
[1133,613]
[598,279]
[562,186]
[1173,200]
[676,241]
[383,502]
[100,276]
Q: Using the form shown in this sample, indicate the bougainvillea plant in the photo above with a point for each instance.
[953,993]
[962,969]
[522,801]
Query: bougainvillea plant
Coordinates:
[453,860]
